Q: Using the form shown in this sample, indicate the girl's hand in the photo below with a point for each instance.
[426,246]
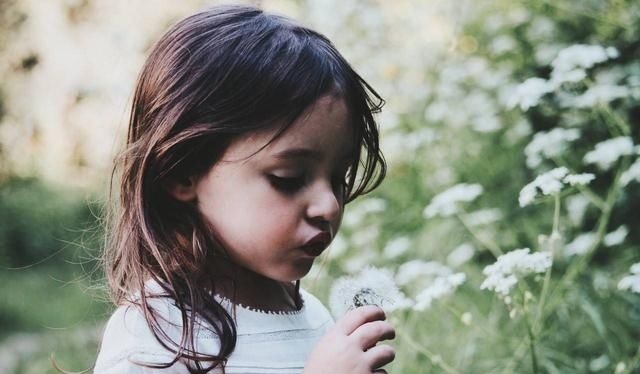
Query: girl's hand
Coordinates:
[350,346]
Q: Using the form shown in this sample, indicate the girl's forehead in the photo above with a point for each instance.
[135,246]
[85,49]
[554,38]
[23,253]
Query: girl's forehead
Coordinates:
[324,130]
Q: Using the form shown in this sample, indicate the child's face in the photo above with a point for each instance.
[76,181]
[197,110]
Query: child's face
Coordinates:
[262,220]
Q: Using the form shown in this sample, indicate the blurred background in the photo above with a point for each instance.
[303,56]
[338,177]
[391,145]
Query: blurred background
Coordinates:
[449,72]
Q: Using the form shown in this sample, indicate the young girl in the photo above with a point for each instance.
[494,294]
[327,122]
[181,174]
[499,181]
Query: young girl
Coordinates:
[246,135]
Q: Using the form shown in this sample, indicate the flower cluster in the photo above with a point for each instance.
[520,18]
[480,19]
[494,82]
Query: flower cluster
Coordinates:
[607,152]
[439,288]
[550,183]
[503,274]
[631,282]
[548,145]
[447,202]
[569,66]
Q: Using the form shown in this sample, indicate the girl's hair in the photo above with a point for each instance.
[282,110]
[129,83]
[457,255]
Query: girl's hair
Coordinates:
[213,76]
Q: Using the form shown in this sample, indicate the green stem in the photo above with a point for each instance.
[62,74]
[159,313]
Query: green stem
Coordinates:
[491,246]
[435,359]
[556,215]
[532,343]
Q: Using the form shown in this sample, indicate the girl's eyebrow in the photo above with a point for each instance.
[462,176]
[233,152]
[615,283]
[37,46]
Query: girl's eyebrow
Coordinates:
[305,153]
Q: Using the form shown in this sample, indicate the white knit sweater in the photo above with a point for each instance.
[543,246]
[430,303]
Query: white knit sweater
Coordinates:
[268,342]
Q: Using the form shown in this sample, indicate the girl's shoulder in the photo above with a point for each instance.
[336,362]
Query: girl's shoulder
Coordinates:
[128,339]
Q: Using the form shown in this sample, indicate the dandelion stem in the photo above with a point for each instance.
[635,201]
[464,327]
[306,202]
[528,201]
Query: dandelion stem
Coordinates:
[491,246]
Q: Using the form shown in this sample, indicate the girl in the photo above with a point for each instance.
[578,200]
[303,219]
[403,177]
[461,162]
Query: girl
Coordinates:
[246,134]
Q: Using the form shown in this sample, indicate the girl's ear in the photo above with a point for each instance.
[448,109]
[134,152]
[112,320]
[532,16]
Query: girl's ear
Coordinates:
[183,189]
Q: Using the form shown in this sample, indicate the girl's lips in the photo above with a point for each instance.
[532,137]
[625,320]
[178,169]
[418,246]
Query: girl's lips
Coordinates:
[317,244]
[314,250]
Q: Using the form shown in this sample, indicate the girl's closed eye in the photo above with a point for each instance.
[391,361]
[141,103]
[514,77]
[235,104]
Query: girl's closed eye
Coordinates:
[287,184]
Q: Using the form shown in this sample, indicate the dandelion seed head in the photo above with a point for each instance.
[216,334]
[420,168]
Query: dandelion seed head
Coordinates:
[372,286]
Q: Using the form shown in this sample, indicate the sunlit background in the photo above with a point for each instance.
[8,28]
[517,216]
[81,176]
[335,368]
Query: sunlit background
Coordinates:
[456,112]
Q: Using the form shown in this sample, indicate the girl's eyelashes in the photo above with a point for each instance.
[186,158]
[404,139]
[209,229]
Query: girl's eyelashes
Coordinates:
[293,184]
[287,184]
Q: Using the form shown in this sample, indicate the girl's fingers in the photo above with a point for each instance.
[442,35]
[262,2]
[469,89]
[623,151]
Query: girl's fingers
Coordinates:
[379,356]
[359,316]
[371,333]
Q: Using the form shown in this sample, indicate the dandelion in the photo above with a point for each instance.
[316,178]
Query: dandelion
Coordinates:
[505,272]
[549,145]
[616,237]
[461,254]
[631,174]
[631,282]
[439,288]
[447,202]
[396,247]
[580,244]
[372,286]
[607,152]
[528,94]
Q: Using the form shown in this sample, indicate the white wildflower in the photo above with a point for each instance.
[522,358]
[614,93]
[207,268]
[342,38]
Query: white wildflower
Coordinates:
[483,217]
[631,282]
[580,244]
[439,288]
[414,269]
[548,145]
[571,76]
[548,183]
[581,56]
[631,174]
[372,286]
[600,94]
[396,247]
[357,213]
[607,152]
[447,202]
[616,237]
[551,183]
[579,179]
[461,254]
[599,363]
[466,318]
[621,367]
[503,274]
[576,207]
[528,94]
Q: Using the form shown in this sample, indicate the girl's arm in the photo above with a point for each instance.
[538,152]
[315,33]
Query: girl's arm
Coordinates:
[350,347]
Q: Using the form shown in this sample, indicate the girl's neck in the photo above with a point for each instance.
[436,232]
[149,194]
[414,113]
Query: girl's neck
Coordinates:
[245,287]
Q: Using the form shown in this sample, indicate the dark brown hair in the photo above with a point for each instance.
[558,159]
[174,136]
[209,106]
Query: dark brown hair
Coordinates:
[213,76]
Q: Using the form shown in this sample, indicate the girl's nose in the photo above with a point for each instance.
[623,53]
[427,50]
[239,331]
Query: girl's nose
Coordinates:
[325,204]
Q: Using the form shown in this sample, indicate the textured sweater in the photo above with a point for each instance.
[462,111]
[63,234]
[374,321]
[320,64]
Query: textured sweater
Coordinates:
[268,342]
